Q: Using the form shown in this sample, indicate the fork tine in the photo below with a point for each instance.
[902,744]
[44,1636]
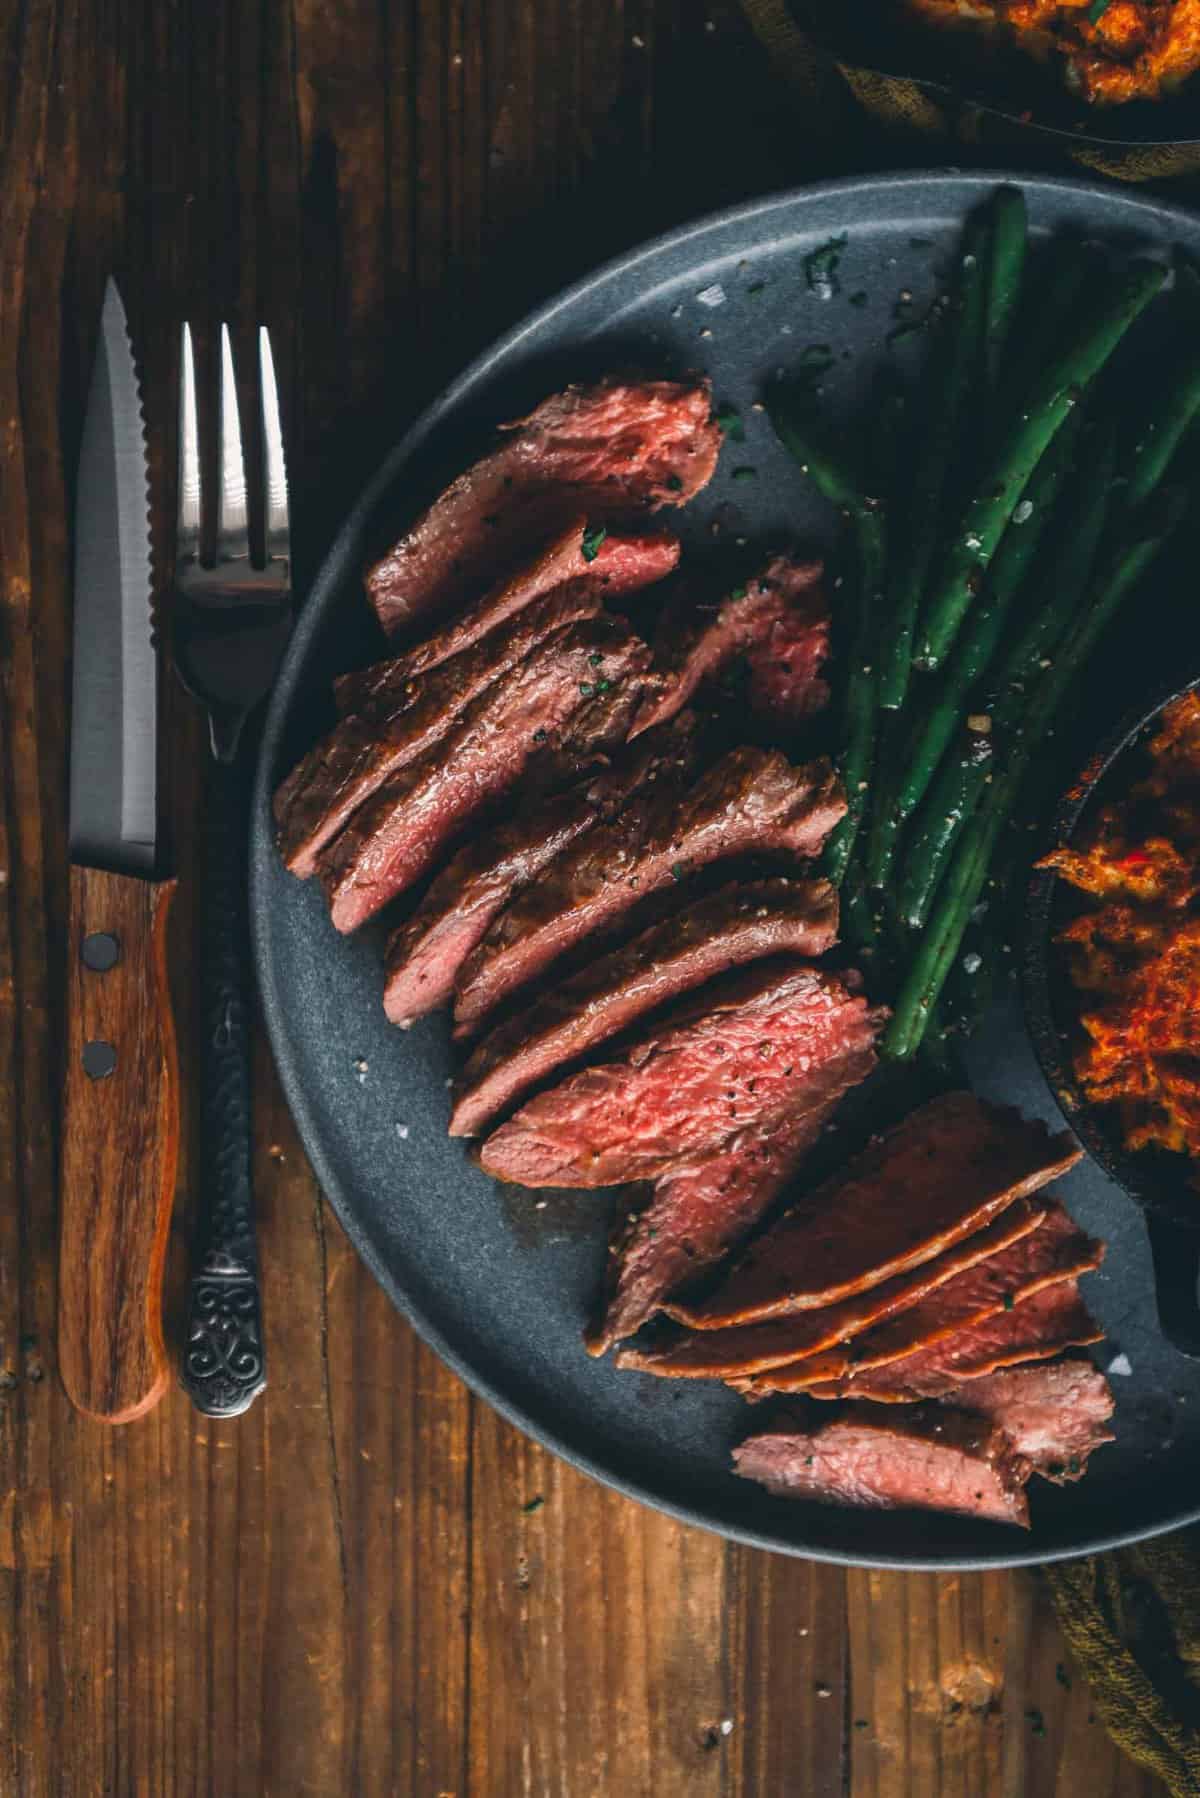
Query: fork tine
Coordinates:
[274,465]
[187,529]
[233,538]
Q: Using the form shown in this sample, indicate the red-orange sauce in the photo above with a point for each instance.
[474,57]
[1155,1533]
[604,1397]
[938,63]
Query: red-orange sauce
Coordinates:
[1124,50]
[1135,954]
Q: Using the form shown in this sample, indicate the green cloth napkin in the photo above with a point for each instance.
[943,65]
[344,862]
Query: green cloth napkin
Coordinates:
[1132,1618]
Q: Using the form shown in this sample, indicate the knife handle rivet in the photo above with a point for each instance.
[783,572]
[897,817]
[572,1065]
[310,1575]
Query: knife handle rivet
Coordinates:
[99,1060]
[101,951]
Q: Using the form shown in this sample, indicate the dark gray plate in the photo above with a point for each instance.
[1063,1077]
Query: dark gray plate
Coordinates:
[499,1287]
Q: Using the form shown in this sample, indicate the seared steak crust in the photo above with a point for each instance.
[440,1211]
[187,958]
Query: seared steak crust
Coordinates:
[602,451]
[751,802]
[415,817]
[725,930]
[736,1053]
[427,951]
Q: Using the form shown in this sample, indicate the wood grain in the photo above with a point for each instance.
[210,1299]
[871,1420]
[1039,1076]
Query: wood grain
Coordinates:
[120,1145]
[343,1591]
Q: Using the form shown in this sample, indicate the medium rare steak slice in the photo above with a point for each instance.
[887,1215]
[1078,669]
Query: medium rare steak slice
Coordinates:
[1055,1318]
[701,1211]
[410,822]
[342,771]
[734,1054]
[1053,1413]
[927,1459]
[725,930]
[750,802]
[1056,1252]
[695,643]
[620,564]
[427,951]
[748,1349]
[784,666]
[946,1171]
[604,451]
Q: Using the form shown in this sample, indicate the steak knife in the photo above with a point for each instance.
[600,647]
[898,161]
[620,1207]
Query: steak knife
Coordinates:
[120,1120]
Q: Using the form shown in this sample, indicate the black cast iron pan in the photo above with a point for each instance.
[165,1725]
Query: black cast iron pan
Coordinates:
[1156,1181]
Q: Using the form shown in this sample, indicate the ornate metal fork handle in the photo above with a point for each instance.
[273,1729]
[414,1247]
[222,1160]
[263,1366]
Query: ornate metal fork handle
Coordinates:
[230,624]
[223,1364]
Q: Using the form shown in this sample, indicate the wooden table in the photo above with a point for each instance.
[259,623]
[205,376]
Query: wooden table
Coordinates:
[370,1584]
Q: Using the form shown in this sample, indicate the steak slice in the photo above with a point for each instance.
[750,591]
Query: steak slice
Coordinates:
[750,802]
[734,1055]
[1055,1318]
[410,821]
[621,564]
[1056,1252]
[944,1172]
[342,771]
[702,1210]
[426,952]
[603,451]
[784,665]
[927,1459]
[748,1349]
[725,930]
[1053,1413]
[696,642]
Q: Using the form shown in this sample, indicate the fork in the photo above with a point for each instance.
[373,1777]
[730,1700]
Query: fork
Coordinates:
[230,621]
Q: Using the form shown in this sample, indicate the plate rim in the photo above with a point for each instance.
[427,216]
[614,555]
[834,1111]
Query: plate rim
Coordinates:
[326,579]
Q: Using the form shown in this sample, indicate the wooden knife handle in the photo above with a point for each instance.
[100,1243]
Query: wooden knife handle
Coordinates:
[120,1145]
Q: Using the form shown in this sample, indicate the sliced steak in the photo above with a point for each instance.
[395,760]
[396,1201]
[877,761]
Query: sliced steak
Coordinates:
[409,823]
[1054,1413]
[927,1459]
[696,642]
[735,1054]
[1054,1319]
[946,1171]
[1056,1252]
[750,802]
[784,664]
[426,952]
[603,451]
[342,771]
[701,1211]
[748,1349]
[725,930]
[620,564]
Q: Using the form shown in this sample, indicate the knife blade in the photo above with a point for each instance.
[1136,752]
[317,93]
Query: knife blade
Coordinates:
[120,1121]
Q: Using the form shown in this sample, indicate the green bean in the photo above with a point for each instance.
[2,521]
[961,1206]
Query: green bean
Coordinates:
[942,939]
[1006,265]
[926,742]
[1054,392]
[951,382]
[963,776]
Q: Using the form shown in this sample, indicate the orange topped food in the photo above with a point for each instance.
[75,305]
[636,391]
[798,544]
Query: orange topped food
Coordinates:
[1136,955]
[1112,50]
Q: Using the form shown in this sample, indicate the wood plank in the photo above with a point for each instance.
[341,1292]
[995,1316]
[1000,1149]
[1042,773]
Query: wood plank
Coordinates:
[789,1668]
[344,1591]
[597,1653]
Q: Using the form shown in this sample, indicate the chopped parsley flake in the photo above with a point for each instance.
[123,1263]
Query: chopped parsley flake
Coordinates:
[738,593]
[821,267]
[534,1504]
[595,658]
[729,419]
[859,298]
[745,474]
[674,484]
[1097,10]
[586,688]
[592,541]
